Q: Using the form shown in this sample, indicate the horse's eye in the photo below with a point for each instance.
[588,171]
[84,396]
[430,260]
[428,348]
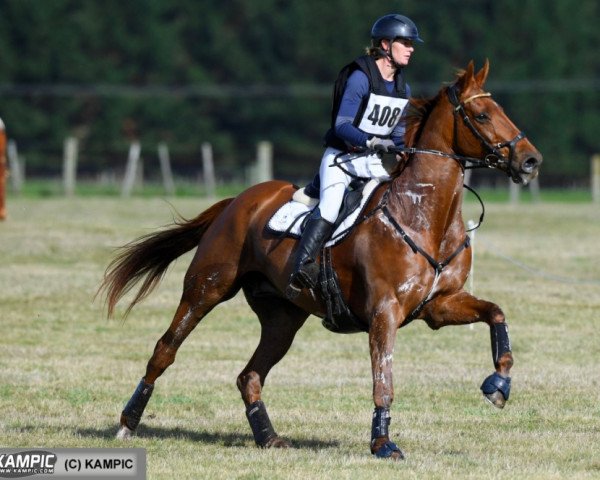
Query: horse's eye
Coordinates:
[482,117]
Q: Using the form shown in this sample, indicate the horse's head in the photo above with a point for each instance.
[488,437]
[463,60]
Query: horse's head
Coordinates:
[482,129]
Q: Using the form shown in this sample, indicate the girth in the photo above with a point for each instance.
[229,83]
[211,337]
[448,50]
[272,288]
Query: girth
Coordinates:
[339,318]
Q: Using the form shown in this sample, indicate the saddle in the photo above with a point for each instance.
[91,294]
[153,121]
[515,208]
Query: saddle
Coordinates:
[289,220]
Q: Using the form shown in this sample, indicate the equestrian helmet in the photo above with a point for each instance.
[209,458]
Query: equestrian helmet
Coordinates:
[395,26]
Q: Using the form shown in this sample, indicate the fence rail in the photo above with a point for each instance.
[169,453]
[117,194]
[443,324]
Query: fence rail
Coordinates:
[260,170]
[158,159]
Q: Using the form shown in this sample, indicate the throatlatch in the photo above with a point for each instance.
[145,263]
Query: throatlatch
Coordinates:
[133,411]
[260,423]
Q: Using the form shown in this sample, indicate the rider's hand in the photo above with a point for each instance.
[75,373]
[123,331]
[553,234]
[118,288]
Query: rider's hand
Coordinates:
[380,144]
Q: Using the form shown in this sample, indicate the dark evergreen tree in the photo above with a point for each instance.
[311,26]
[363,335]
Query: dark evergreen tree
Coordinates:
[237,72]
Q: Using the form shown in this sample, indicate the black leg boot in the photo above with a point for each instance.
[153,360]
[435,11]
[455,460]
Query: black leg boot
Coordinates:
[306,270]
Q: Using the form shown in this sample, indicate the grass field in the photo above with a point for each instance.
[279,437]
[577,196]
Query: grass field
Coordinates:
[66,371]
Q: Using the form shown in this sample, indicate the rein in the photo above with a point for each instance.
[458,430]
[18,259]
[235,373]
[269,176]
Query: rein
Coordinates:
[495,158]
[357,154]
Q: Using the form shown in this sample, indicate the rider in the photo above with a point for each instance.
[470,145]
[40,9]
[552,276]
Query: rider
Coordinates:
[370,95]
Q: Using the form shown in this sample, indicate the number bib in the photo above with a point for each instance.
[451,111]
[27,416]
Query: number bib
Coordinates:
[382,114]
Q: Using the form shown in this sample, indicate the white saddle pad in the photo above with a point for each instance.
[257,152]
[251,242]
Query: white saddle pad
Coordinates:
[288,219]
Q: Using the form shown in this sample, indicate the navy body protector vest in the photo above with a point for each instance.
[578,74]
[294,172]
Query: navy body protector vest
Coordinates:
[377,87]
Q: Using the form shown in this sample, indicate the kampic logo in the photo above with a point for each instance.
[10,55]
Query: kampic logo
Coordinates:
[25,464]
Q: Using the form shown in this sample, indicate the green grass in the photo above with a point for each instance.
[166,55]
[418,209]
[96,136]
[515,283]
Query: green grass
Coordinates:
[549,195]
[66,371]
[44,188]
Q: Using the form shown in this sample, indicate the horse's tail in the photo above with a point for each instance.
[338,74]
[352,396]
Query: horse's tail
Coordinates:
[150,255]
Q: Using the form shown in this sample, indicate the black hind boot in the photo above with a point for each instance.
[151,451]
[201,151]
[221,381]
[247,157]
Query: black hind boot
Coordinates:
[306,270]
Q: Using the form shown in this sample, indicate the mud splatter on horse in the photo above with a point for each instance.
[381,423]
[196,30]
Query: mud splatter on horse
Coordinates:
[407,258]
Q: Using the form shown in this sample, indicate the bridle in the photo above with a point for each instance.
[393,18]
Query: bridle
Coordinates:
[494,157]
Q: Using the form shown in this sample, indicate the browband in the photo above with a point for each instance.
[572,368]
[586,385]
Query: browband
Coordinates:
[473,97]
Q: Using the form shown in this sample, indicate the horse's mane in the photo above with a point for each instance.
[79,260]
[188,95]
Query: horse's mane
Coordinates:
[417,115]
[418,112]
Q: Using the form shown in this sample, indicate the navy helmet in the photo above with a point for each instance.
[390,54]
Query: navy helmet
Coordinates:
[395,26]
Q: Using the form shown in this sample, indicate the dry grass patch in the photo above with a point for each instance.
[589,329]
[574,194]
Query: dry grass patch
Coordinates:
[65,371]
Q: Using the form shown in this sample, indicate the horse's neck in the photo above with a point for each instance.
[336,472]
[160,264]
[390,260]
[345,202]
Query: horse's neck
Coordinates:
[429,191]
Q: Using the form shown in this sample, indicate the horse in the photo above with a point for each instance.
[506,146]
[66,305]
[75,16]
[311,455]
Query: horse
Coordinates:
[404,260]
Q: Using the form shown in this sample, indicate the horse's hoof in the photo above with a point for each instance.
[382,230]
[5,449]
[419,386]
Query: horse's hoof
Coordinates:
[278,442]
[389,450]
[397,456]
[124,433]
[496,389]
[496,399]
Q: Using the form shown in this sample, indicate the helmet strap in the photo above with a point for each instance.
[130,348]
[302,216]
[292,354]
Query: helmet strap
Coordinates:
[388,54]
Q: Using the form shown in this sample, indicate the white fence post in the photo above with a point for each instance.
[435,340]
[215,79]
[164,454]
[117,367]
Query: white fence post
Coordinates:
[262,169]
[595,167]
[70,165]
[264,162]
[468,174]
[515,191]
[534,188]
[131,168]
[472,224]
[208,170]
[2,171]
[16,167]
[165,168]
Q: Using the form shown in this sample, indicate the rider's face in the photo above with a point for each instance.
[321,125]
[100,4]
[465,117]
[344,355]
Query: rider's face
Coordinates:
[402,49]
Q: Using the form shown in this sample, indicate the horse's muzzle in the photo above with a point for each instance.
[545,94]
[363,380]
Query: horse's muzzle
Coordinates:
[528,168]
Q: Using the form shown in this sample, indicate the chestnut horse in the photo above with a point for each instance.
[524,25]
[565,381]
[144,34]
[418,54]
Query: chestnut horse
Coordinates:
[405,259]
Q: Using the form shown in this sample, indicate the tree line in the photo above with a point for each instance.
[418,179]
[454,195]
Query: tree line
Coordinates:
[238,72]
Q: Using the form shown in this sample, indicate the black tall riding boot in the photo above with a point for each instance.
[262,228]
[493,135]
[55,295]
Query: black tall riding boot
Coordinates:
[306,270]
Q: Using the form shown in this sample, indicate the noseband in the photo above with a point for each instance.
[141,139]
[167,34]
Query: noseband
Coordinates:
[494,158]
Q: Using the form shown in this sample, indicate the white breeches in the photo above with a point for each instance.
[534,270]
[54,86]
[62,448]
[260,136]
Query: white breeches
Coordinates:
[334,180]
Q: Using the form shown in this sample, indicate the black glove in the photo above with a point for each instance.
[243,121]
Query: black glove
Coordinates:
[380,144]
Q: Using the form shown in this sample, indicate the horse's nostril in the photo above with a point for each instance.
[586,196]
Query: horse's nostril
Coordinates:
[530,164]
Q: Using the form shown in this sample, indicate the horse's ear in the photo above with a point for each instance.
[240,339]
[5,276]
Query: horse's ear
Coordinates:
[466,77]
[483,73]
[469,71]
